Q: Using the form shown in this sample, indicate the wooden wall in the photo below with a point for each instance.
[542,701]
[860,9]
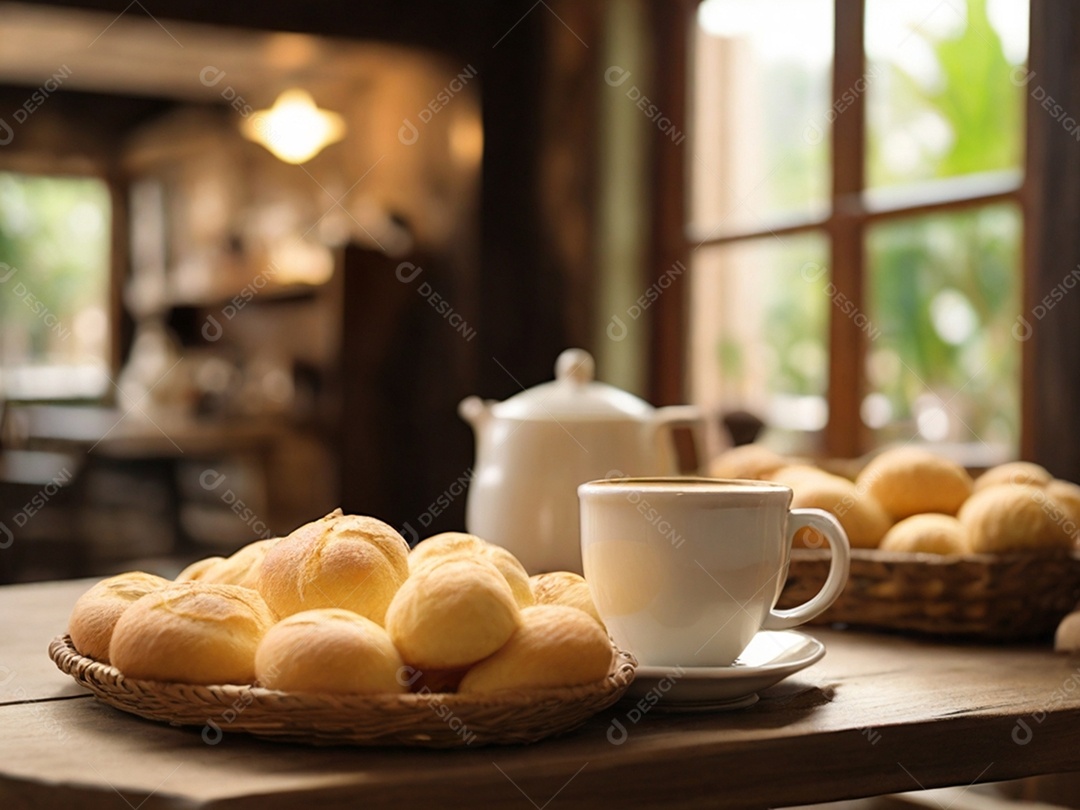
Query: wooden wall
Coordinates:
[532,298]
[526,297]
[1051,326]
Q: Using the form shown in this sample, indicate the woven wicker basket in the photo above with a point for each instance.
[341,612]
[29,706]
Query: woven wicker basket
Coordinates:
[424,720]
[1009,596]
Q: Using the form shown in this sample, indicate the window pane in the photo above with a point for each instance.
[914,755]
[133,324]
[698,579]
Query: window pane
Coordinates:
[54,277]
[759,333]
[945,89]
[760,137]
[942,362]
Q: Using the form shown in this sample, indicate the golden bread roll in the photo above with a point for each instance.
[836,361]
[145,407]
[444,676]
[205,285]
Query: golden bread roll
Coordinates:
[192,632]
[929,533]
[330,651]
[1067,636]
[1067,494]
[910,480]
[99,609]
[513,571]
[198,568]
[452,615]
[1008,518]
[564,588]
[555,646]
[752,461]
[456,545]
[1014,472]
[351,562]
[863,519]
[445,546]
[242,567]
[794,475]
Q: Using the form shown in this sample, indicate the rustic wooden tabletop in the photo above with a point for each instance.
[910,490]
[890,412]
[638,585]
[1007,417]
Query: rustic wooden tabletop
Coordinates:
[878,714]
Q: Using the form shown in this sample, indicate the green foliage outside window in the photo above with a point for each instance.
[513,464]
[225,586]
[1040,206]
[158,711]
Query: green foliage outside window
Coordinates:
[54,269]
[943,290]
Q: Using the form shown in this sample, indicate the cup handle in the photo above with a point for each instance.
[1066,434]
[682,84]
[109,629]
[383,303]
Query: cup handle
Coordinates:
[833,532]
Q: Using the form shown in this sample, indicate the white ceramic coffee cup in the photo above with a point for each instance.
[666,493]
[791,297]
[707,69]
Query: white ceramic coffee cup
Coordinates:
[686,571]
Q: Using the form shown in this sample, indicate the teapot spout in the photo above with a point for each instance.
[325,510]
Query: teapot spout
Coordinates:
[474,411]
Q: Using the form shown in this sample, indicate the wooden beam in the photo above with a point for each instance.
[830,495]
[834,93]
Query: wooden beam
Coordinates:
[121,326]
[1050,334]
[521,289]
[667,361]
[844,433]
[936,196]
[948,194]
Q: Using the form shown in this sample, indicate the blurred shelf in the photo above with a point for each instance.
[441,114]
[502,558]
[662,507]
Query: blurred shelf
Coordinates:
[114,433]
[241,297]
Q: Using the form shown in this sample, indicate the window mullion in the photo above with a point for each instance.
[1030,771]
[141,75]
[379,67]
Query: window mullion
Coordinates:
[844,433]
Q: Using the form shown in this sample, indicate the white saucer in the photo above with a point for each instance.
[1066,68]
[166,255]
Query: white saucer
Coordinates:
[771,656]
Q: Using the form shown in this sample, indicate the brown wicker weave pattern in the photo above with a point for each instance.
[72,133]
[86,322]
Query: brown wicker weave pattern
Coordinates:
[1009,596]
[431,721]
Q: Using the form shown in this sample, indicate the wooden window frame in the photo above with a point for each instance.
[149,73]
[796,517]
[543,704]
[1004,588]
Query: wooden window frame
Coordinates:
[852,208]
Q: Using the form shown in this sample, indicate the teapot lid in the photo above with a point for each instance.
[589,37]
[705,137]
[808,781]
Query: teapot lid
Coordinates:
[574,394]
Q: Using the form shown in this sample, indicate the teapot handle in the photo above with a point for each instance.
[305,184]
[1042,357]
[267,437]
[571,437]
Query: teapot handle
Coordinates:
[682,416]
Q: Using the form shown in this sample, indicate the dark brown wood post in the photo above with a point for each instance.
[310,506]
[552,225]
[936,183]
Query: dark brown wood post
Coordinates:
[1050,327]
[844,431]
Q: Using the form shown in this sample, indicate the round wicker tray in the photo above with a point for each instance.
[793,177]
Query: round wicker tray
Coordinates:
[1007,596]
[424,720]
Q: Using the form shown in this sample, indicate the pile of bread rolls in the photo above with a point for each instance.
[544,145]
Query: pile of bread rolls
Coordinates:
[341,606]
[908,499]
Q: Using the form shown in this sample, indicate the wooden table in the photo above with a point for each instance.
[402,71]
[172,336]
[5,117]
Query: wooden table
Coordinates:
[879,714]
[141,441]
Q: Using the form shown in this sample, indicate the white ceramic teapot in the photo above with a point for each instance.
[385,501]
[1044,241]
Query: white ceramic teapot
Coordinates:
[535,448]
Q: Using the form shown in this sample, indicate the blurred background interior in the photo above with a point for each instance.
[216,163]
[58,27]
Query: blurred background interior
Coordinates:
[854,220]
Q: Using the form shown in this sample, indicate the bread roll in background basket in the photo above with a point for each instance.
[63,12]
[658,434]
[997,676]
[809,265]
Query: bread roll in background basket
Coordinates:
[1006,564]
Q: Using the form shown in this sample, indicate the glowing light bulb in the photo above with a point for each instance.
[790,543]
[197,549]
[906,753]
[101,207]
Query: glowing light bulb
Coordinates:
[294,129]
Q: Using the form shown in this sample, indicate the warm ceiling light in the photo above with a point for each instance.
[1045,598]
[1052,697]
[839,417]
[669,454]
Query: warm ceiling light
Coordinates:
[294,129]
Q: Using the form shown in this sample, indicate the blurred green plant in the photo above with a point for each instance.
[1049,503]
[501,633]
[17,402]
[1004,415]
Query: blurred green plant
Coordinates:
[945,291]
[943,288]
[54,233]
[973,97]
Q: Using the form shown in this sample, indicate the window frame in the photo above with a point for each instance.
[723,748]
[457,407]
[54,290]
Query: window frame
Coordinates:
[852,208]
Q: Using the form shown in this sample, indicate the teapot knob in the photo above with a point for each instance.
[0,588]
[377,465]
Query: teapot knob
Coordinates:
[473,410]
[576,365]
